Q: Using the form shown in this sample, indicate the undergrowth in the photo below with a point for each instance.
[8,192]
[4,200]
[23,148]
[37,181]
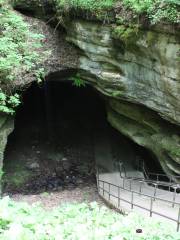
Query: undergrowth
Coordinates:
[155,10]
[19,54]
[87,8]
[20,221]
[87,4]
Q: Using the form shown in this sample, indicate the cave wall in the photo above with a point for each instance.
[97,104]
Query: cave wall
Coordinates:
[145,72]
[6,127]
[142,82]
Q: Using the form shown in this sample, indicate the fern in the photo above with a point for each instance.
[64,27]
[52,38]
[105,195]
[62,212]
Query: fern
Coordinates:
[77,81]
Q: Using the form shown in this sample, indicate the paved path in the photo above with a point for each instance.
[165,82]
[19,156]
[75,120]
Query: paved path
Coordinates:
[159,206]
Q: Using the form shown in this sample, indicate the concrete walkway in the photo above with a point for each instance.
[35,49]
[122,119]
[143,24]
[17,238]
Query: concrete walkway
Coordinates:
[141,203]
[116,161]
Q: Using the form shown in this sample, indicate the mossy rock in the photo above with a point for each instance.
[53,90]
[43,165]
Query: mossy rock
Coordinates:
[128,35]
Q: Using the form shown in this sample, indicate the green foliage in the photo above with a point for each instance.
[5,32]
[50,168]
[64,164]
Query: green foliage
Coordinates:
[20,53]
[18,45]
[20,221]
[8,103]
[40,75]
[139,6]
[156,10]
[91,5]
[78,81]
[129,35]
[4,224]
[100,9]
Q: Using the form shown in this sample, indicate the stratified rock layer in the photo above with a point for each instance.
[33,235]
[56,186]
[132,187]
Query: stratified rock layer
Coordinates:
[142,81]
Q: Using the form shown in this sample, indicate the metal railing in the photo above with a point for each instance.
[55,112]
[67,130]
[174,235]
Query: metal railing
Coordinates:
[159,176]
[105,187]
[157,180]
[155,184]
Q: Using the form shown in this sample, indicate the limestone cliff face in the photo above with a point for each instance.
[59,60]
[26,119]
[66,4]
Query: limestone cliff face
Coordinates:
[142,82]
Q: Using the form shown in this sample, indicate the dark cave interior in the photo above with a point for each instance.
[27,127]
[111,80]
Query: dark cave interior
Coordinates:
[52,145]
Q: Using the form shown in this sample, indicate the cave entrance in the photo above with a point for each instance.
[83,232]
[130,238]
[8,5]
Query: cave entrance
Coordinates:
[54,136]
[60,133]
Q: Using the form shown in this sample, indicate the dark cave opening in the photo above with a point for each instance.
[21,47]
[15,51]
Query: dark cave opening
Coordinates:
[59,129]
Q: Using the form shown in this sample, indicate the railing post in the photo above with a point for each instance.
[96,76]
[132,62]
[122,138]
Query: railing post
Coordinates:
[103,188]
[140,190]
[109,191]
[151,207]
[130,184]
[132,200]
[123,182]
[118,196]
[155,190]
[174,196]
[98,185]
[157,177]
[178,221]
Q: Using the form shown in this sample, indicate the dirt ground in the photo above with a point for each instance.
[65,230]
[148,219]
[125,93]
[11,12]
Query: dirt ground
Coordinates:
[49,200]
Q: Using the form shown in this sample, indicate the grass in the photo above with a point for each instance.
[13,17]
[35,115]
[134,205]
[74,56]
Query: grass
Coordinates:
[20,221]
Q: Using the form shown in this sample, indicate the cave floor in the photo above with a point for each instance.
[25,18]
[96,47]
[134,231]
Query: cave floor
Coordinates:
[34,164]
[50,200]
[50,148]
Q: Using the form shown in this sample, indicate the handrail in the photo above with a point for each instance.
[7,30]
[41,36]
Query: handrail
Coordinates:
[158,183]
[171,184]
[158,175]
[143,194]
[170,177]
[152,198]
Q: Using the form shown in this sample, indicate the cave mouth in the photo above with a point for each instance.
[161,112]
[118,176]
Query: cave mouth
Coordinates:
[61,132]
